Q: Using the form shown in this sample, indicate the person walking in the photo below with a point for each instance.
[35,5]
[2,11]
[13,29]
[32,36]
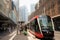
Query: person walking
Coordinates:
[9,29]
[25,30]
[21,29]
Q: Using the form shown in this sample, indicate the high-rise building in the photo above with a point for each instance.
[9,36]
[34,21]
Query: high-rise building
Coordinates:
[32,7]
[22,13]
[16,2]
[8,14]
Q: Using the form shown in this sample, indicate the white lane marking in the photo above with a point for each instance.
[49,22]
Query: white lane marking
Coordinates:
[12,33]
[12,37]
[31,37]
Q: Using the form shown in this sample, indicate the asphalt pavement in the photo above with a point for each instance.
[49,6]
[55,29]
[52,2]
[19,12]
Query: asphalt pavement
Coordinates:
[57,35]
[7,35]
[29,36]
[20,37]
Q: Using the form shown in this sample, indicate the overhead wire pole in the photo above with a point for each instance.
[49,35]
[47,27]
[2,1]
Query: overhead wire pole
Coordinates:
[44,10]
[18,18]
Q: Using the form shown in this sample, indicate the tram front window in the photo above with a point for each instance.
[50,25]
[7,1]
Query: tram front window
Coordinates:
[45,23]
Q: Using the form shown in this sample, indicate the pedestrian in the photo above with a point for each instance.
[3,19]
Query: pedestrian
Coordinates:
[9,29]
[21,29]
[25,30]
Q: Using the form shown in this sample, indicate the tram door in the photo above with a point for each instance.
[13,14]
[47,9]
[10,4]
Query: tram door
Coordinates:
[34,26]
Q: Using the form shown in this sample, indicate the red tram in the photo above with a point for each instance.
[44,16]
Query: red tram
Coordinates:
[42,27]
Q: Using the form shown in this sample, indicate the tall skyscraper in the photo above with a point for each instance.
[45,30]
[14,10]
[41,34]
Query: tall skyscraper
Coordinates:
[16,2]
[32,6]
[23,13]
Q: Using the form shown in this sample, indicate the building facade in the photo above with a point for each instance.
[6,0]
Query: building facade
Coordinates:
[23,14]
[8,14]
[52,8]
[32,7]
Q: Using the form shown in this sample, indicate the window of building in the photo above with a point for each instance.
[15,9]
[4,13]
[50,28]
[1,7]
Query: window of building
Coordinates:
[58,1]
[47,0]
[52,4]
[53,11]
[34,26]
[59,9]
[48,6]
[1,6]
[48,12]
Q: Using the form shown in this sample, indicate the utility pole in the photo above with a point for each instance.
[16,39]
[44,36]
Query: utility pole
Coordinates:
[17,27]
[44,10]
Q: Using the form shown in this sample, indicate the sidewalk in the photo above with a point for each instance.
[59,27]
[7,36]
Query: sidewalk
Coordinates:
[32,37]
[57,35]
[20,37]
[23,37]
[8,36]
